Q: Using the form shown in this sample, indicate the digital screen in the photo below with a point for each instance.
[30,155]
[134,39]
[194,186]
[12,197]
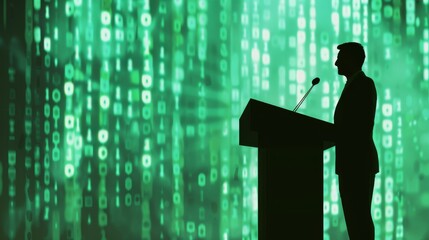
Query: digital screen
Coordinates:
[120,118]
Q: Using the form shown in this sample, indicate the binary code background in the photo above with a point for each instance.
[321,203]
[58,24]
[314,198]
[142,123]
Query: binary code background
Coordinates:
[119,119]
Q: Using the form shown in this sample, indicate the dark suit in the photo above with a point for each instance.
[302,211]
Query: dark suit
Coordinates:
[356,156]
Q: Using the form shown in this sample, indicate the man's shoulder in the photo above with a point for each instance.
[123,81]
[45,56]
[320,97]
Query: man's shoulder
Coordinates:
[365,80]
[368,85]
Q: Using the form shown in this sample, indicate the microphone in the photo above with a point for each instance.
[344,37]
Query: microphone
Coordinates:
[314,82]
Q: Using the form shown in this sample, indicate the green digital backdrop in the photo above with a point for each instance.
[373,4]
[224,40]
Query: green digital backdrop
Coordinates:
[120,119]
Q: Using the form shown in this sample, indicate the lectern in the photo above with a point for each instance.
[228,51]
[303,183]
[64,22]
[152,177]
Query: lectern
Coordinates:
[290,169]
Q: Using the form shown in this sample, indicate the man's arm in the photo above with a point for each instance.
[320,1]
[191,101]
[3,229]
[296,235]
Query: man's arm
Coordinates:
[360,110]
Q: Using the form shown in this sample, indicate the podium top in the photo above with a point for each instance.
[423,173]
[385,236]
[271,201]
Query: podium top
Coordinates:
[265,124]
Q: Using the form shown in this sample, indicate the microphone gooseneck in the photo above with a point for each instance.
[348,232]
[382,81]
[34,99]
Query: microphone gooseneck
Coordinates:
[314,82]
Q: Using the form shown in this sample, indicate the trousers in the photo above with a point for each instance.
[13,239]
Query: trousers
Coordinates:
[356,196]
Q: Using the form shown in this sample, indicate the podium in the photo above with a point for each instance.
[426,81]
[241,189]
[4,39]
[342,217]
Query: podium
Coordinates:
[290,169]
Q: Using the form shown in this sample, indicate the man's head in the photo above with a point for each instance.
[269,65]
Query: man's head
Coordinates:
[350,58]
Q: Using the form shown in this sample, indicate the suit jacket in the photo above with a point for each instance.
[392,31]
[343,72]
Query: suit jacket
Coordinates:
[355,150]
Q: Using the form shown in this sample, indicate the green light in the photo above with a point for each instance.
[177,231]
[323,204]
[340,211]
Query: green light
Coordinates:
[139,101]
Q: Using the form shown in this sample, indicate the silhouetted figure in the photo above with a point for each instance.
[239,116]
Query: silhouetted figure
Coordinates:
[356,156]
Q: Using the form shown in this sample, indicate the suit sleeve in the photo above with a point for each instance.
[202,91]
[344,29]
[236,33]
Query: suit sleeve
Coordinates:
[360,112]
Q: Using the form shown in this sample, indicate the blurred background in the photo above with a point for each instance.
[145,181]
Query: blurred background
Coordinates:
[119,119]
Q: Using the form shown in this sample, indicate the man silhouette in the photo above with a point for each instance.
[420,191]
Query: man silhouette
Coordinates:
[356,156]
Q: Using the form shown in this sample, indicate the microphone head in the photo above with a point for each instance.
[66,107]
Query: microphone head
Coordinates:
[315,81]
